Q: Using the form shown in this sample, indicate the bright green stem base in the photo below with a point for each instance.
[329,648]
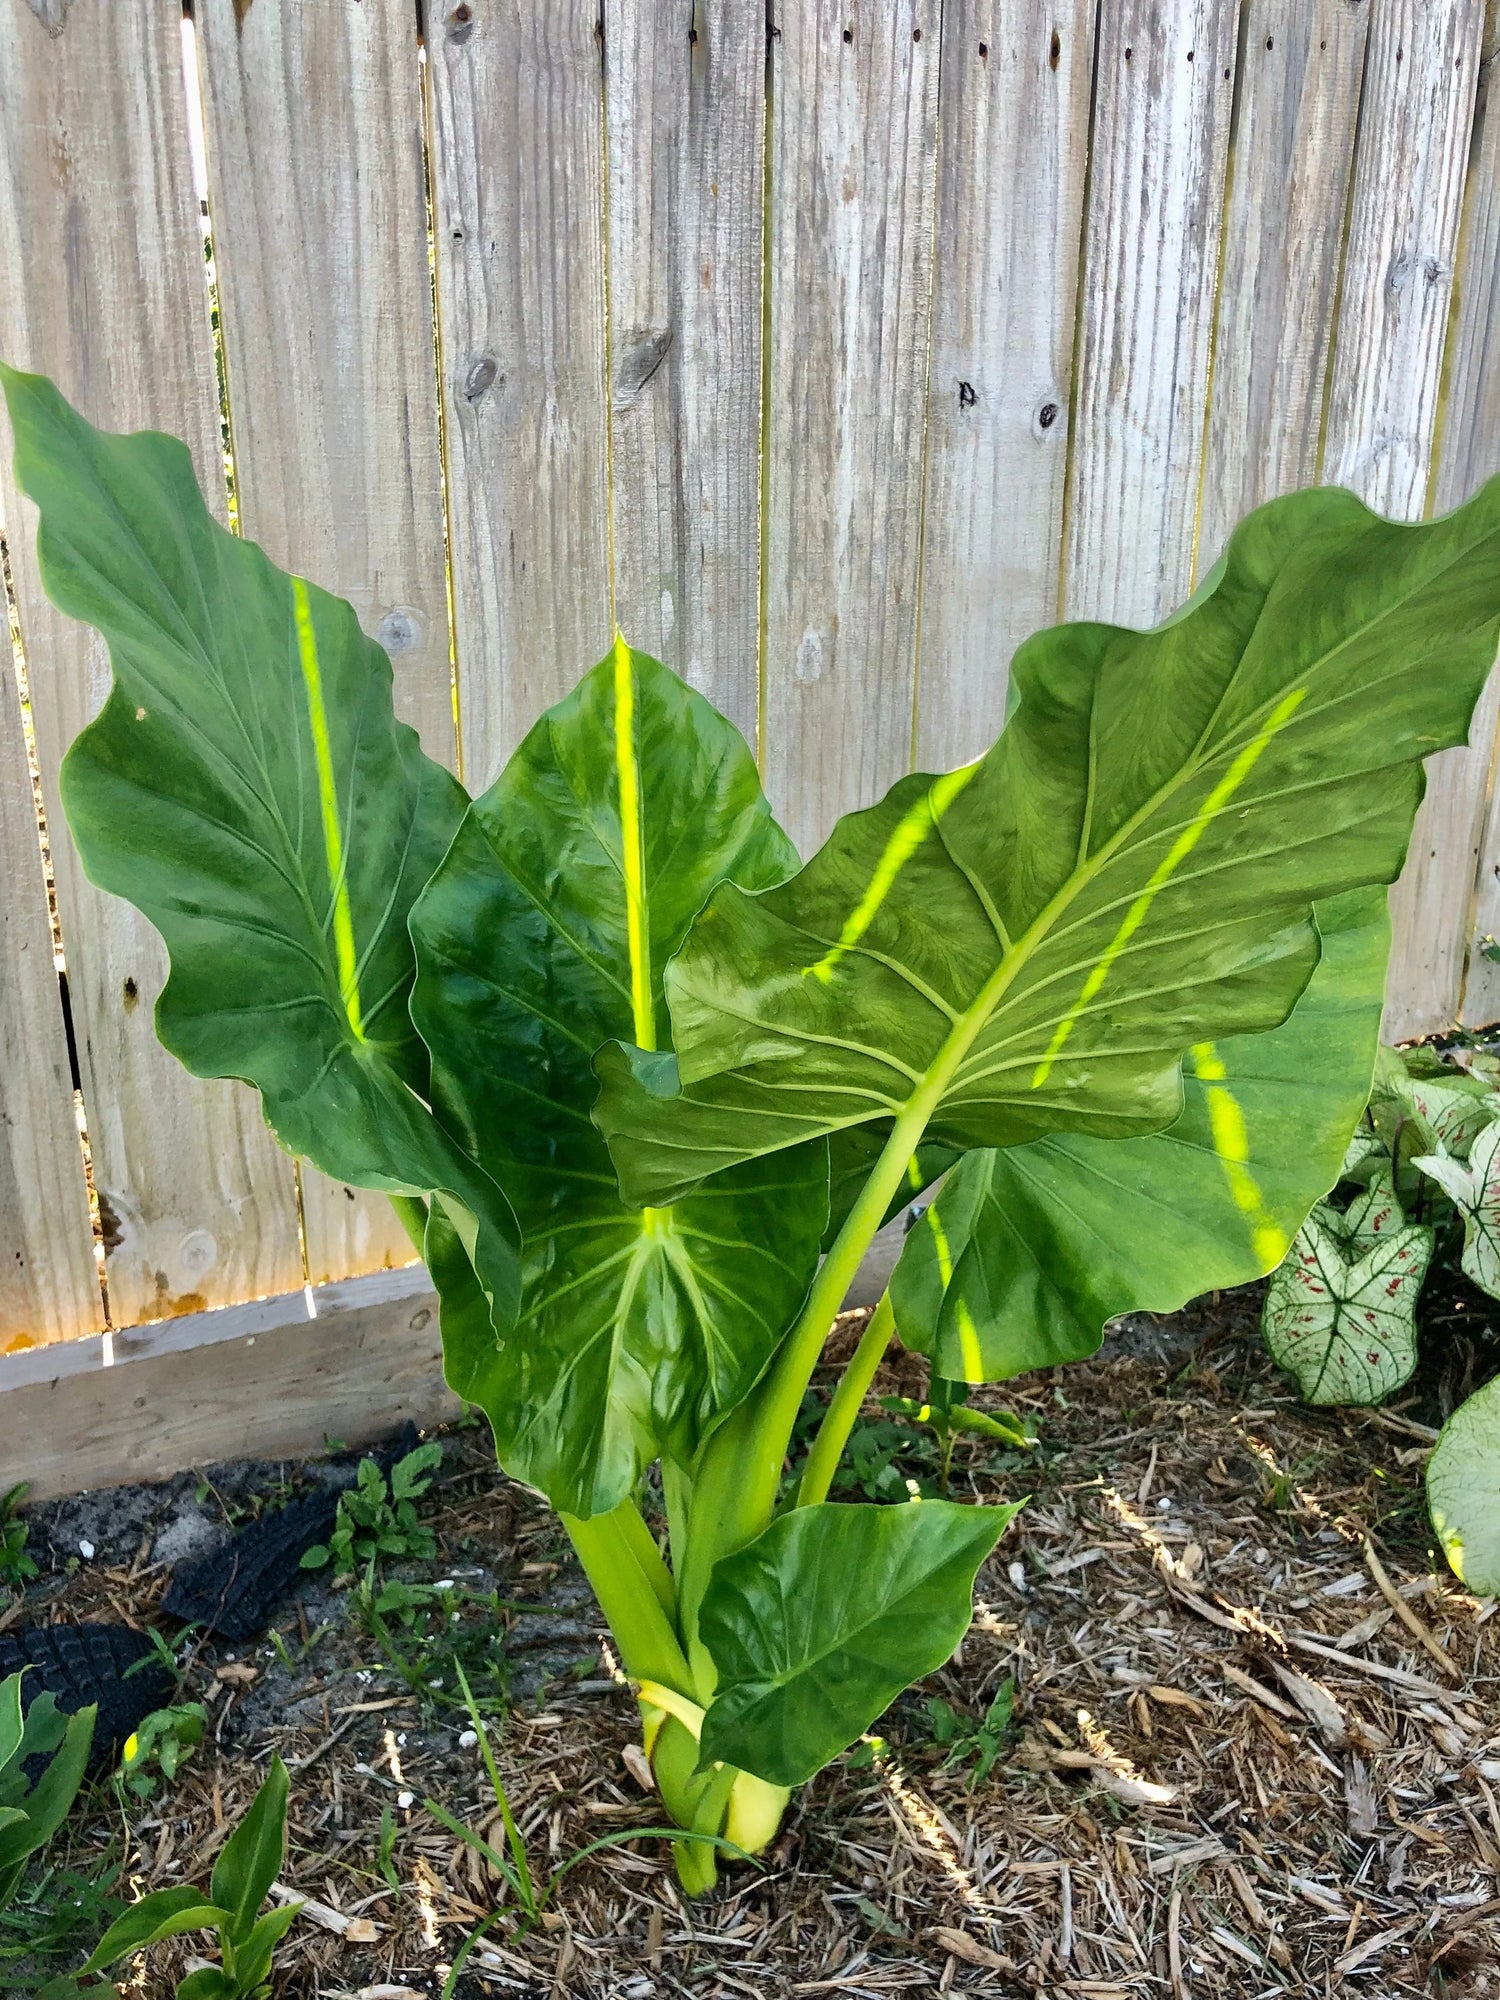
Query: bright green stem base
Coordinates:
[722,1801]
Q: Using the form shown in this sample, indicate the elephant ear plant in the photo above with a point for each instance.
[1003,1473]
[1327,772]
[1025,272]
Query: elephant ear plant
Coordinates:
[644,1089]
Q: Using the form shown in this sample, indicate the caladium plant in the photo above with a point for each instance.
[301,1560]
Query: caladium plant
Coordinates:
[644,1088]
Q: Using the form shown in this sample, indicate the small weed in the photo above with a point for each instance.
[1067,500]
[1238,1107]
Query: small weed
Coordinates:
[16,1567]
[159,1748]
[964,1736]
[378,1517]
[431,1635]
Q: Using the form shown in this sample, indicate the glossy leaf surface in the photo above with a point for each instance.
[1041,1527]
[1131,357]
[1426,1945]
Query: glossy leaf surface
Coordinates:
[1340,1313]
[248,788]
[1026,1253]
[1463,1489]
[820,1622]
[1030,944]
[545,933]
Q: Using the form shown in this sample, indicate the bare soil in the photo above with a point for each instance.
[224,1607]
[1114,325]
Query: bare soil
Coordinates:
[1255,1748]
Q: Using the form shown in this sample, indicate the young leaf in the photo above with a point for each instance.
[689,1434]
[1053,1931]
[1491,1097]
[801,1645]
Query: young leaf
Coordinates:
[164,1913]
[820,1622]
[1340,1313]
[1475,1192]
[544,933]
[252,1959]
[250,1859]
[1027,1253]
[207,1982]
[248,788]
[1463,1489]
[1031,943]
[11,1724]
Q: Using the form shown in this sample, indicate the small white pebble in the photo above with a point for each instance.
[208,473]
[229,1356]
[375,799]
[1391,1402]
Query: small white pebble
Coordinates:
[1016,1571]
[401,1739]
[437,1683]
[1165,1503]
[468,1741]
[86,1550]
[404,1799]
[443,1583]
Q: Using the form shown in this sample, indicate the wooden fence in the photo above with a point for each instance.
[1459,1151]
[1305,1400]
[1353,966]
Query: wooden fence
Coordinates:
[829,355]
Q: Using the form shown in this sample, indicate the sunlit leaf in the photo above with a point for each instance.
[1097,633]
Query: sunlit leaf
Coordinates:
[1028,1252]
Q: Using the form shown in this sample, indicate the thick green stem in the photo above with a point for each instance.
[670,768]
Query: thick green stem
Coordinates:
[411,1212]
[612,1549]
[838,1421]
[735,1480]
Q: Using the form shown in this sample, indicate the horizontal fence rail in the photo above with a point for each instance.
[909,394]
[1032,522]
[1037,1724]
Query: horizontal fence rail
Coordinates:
[828,353]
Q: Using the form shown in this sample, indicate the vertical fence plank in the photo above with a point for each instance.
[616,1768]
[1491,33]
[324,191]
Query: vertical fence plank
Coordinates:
[516,126]
[1015,108]
[1164,96]
[686,126]
[1468,454]
[1421,73]
[1283,247]
[853,138]
[49,1289]
[313,123]
[105,292]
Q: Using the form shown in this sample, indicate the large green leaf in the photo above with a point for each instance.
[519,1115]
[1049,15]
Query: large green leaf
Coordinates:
[248,788]
[250,1860]
[1474,1189]
[819,1623]
[544,934]
[1027,1252]
[1463,1489]
[1032,943]
[1340,1312]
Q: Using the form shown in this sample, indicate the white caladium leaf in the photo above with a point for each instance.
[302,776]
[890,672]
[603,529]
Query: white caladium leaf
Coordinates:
[1474,1190]
[1364,1147]
[1463,1489]
[1449,1114]
[1340,1312]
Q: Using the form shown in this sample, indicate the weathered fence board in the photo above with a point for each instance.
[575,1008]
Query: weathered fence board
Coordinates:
[49,1288]
[263,1379]
[853,154]
[1465,876]
[516,119]
[99,235]
[686,138]
[1299,93]
[318,201]
[831,354]
[1163,97]
[1421,73]
[1015,97]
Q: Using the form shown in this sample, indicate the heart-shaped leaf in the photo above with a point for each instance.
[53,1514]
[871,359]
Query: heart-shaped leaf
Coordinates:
[545,933]
[248,788]
[1028,1252]
[818,1624]
[1463,1489]
[1340,1313]
[1032,943]
[1475,1192]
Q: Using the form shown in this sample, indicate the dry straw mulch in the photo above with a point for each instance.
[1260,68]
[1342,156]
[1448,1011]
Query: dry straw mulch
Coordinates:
[1256,1747]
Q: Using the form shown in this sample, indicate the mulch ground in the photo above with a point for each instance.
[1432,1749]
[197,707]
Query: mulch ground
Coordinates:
[1255,1747]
